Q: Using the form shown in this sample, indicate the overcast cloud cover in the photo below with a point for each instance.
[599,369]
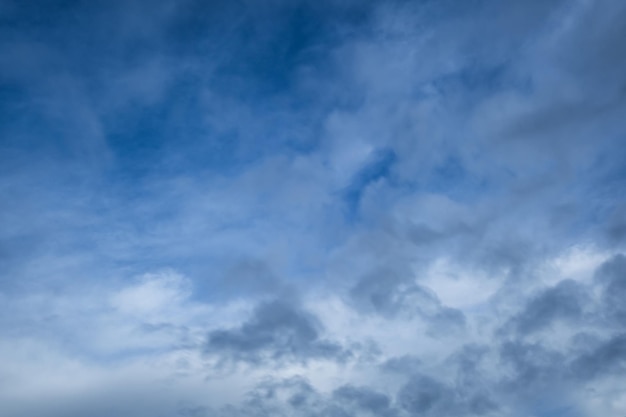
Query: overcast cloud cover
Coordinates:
[312,208]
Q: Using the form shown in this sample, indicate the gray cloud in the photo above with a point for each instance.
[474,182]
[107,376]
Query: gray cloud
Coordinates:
[612,278]
[533,366]
[565,301]
[608,358]
[277,330]
[424,395]
[403,365]
[436,181]
[386,292]
[293,396]
[365,399]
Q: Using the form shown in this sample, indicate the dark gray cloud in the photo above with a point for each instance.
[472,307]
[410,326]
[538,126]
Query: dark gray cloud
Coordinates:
[424,395]
[421,395]
[277,330]
[566,301]
[605,359]
[293,396]
[612,278]
[466,389]
[533,366]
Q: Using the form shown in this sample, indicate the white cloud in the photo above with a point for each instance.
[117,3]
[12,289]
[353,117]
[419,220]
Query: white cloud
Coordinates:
[153,294]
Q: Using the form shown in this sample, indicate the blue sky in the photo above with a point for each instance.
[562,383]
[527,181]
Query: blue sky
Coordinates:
[312,208]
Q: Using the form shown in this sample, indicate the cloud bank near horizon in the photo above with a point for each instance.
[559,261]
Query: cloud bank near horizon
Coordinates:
[298,208]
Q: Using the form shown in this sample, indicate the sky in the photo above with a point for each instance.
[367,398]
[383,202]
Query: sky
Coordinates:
[312,208]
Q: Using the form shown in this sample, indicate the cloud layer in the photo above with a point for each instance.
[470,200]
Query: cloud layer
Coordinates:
[299,208]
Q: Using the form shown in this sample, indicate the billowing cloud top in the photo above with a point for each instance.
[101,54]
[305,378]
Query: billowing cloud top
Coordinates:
[312,208]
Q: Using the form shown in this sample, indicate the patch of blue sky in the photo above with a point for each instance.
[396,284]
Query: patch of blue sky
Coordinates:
[378,167]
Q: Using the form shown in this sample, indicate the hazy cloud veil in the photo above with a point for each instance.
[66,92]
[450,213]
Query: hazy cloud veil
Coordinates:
[312,208]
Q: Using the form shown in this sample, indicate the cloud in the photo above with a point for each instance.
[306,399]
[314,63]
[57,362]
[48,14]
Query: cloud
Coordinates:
[606,359]
[312,208]
[612,276]
[387,293]
[427,396]
[153,293]
[565,301]
[276,331]
[365,399]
